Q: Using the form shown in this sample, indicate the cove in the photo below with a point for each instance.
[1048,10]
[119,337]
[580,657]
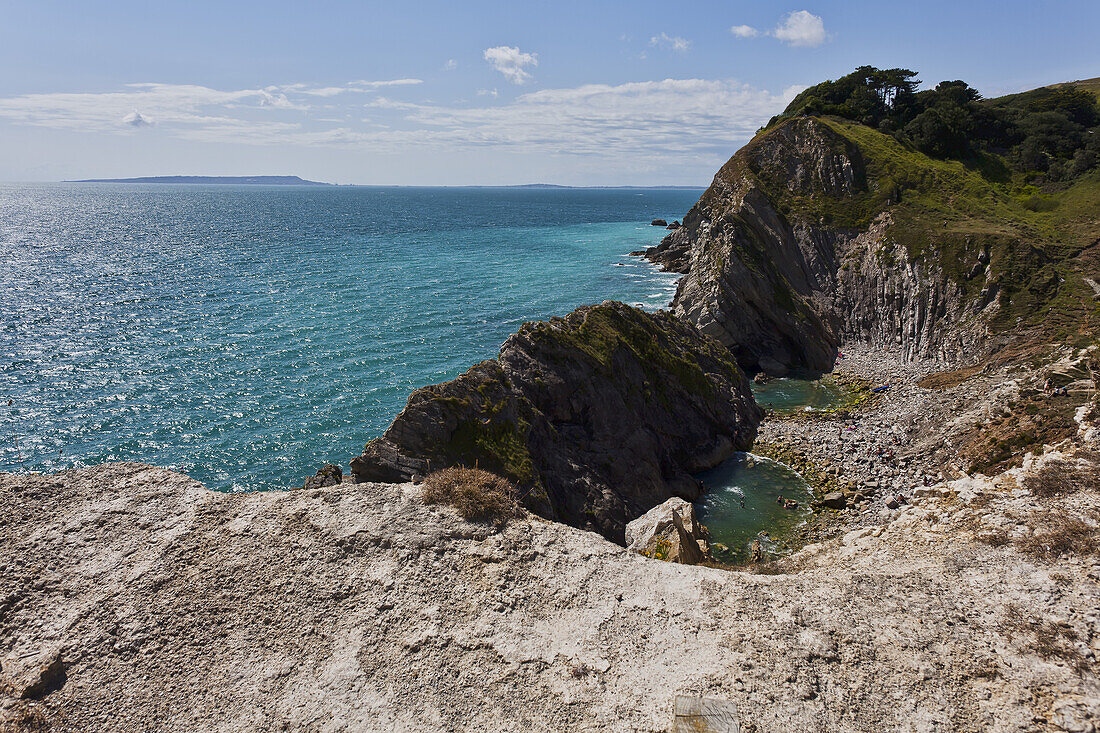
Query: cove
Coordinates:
[799,392]
[741,502]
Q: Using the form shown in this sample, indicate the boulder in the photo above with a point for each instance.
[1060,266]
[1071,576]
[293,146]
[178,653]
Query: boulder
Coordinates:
[833,500]
[597,417]
[328,475]
[674,226]
[672,532]
[34,676]
[658,223]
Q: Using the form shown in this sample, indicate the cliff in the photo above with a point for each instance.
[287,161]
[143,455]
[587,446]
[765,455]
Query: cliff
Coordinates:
[598,417]
[133,599]
[822,230]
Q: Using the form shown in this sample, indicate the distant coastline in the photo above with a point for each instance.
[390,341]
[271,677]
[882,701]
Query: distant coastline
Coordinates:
[236,180]
[296,181]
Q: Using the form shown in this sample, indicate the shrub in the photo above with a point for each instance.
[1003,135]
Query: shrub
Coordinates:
[479,496]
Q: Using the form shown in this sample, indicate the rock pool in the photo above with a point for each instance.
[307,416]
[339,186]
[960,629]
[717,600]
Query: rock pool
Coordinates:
[741,501]
[799,392]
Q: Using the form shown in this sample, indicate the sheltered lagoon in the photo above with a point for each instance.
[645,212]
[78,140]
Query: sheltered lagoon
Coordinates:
[742,501]
[800,392]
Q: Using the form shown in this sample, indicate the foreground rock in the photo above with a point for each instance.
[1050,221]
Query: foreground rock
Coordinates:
[598,417]
[670,532]
[357,607]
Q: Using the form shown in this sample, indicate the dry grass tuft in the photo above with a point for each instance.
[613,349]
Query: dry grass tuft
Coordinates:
[1063,477]
[479,496]
[27,720]
[994,537]
[1051,640]
[1059,534]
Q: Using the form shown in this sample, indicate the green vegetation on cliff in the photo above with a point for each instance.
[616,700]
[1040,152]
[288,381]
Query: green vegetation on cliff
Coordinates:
[1050,134]
[1013,215]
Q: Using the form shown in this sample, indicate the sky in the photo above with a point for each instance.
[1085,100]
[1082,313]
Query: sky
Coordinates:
[478,92]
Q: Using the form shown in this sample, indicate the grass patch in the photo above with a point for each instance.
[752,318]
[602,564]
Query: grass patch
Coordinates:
[857,396]
[479,496]
[941,381]
[603,332]
[1032,421]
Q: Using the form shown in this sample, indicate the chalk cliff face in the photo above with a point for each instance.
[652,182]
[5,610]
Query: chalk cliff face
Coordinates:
[793,249]
[598,417]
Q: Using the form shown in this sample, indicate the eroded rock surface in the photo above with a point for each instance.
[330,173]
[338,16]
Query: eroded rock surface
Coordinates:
[800,244]
[357,608]
[670,531]
[598,417]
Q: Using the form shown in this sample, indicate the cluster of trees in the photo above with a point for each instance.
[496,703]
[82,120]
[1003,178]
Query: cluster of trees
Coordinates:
[1053,131]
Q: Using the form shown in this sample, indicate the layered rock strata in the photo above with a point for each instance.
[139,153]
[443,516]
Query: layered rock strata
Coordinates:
[779,267]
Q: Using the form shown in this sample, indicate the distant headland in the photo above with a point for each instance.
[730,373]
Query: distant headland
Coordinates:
[248,180]
[296,181]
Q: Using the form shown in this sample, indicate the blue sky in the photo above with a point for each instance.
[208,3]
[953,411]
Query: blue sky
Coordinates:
[582,93]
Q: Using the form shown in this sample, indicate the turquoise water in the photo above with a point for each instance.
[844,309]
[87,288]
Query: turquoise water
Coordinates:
[756,482]
[790,394]
[246,335]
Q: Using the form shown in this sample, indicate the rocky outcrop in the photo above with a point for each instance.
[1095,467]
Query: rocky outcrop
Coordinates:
[597,417]
[758,281]
[358,607]
[670,532]
[658,223]
[792,251]
[328,475]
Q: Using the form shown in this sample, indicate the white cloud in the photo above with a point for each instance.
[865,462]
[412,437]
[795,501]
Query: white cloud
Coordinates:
[358,86]
[363,84]
[744,31]
[137,119]
[654,118]
[660,122]
[801,28]
[487,93]
[451,65]
[511,62]
[674,43]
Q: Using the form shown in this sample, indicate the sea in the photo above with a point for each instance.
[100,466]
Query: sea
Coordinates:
[247,335]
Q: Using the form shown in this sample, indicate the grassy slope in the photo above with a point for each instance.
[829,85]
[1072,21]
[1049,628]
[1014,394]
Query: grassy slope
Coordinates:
[1091,85]
[1040,244]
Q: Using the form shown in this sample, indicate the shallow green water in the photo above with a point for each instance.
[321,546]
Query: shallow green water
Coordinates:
[741,502]
[791,394]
